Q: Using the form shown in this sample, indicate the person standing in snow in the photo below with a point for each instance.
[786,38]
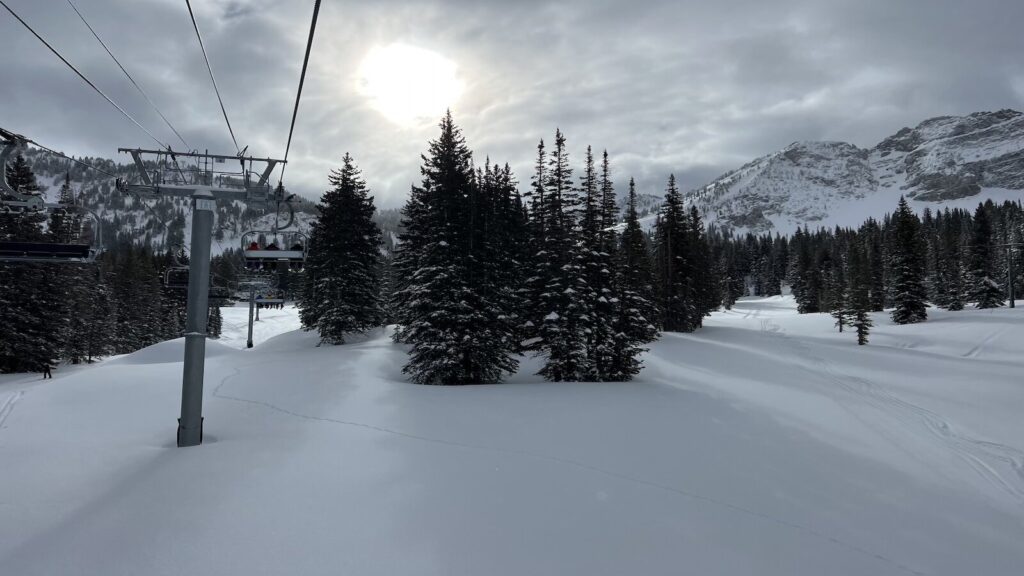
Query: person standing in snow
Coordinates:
[46,371]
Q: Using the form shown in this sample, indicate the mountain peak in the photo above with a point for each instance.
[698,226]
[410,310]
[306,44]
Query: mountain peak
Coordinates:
[941,160]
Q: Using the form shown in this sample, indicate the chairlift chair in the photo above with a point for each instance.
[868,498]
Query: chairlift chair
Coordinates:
[14,202]
[270,298]
[259,257]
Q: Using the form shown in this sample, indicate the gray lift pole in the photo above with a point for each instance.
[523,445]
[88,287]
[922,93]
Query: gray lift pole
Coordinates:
[252,305]
[190,425]
[1009,273]
[201,180]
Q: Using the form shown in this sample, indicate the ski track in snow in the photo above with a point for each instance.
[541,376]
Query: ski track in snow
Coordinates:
[8,406]
[974,352]
[972,451]
[566,462]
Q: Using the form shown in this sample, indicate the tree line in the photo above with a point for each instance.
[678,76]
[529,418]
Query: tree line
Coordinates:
[905,263]
[482,273]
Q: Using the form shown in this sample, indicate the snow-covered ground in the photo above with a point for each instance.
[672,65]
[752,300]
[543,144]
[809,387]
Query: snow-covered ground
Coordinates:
[763,444]
[235,326]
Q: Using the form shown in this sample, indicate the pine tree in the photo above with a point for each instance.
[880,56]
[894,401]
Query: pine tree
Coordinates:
[634,301]
[858,294]
[564,299]
[343,295]
[675,290]
[805,276]
[876,263]
[907,262]
[597,267]
[700,272]
[215,323]
[65,222]
[984,290]
[455,317]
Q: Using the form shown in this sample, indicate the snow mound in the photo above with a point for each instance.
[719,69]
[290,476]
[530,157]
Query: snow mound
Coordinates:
[168,352]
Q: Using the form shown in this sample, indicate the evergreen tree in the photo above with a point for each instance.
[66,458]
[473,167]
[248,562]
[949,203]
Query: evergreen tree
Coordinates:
[343,264]
[564,299]
[700,272]
[907,262]
[455,317]
[634,301]
[214,323]
[858,294]
[597,267]
[675,290]
[984,290]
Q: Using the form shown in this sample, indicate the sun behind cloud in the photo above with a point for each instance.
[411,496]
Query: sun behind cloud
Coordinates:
[409,85]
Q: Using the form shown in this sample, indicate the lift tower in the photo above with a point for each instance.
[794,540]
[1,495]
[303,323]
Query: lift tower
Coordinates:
[206,179]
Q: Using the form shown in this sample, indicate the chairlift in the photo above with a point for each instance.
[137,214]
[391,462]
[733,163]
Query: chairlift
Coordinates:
[176,278]
[15,202]
[270,298]
[269,255]
[46,252]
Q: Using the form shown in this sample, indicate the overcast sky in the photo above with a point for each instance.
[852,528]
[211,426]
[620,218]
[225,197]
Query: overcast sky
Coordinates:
[691,87]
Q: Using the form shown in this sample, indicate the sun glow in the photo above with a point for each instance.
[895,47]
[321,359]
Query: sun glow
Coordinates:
[409,85]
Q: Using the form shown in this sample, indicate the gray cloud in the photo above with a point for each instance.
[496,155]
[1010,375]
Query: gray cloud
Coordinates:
[694,88]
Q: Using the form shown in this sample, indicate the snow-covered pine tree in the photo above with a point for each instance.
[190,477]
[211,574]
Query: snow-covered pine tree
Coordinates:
[675,289]
[609,208]
[99,312]
[876,262]
[983,289]
[858,293]
[564,301]
[65,223]
[597,267]
[453,314]
[700,272]
[805,276]
[634,299]
[343,293]
[950,270]
[907,263]
[835,286]
[215,323]
[504,230]
[534,284]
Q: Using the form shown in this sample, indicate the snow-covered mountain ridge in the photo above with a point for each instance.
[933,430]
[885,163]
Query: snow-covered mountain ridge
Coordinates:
[945,161]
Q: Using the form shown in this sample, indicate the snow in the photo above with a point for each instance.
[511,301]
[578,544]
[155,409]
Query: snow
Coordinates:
[235,324]
[764,444]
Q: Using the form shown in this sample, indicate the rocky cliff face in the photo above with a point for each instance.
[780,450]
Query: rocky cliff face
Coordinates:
[941,161]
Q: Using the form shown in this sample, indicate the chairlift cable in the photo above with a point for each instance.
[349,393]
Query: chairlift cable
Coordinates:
[212,78]
[302,79]
[66,157]
[80,75]
[129,76]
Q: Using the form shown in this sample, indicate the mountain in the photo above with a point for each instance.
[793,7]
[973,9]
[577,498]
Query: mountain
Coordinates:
[646,204]
[945,161]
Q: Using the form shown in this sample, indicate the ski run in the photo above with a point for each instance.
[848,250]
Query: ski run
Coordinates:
[765,443]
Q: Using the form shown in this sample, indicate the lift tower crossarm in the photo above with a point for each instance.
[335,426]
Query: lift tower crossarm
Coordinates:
[248,185]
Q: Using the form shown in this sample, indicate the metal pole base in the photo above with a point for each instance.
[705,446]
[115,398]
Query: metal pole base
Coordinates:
[190,436]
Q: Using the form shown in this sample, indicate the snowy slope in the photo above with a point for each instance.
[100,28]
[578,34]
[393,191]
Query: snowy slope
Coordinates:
[765,444]
[942,162]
